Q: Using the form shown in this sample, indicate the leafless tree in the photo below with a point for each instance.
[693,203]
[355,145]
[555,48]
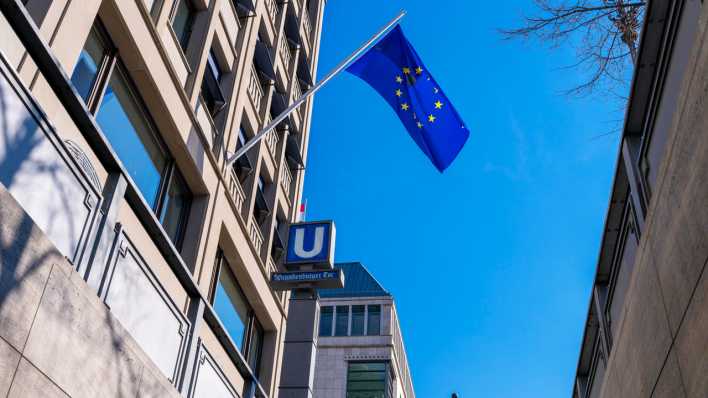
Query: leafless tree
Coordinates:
[605,35]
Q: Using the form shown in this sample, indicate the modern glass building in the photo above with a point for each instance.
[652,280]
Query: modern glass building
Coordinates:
[133,261]
[360,350]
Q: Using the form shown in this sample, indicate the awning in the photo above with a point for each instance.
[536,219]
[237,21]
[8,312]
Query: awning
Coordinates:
[303,72]
[211,92]
[292,153]
[261,209]
[245,8]
[263,60]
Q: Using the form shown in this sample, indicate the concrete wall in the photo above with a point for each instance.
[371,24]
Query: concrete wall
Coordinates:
[662,344]
[57,339]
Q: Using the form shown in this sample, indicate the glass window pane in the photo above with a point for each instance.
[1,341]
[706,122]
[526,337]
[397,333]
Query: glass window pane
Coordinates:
[358,320]
[326,321]
[367,380]
[125,125]
[176,208]
[374,324]
[86,70]
[182,22]
[231,306]
[342,324]
[254,349]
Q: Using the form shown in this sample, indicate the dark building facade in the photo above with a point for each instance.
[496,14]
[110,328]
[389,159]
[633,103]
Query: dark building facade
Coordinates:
[646,333]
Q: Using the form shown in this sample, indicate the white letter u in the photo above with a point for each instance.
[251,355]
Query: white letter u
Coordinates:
[300,243]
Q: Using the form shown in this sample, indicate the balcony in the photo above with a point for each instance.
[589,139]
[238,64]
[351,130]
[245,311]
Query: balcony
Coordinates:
[255,90]
[285,54]
[254,232]
[272,139]
[236,191]
[307,24]
[270,266]
[272,11]
[286,180]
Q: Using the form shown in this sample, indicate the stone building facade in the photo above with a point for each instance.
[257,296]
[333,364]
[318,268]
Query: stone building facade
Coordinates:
[646,333]
[133,261]
[360,350]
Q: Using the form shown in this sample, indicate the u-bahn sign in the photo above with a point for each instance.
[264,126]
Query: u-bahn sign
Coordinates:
[307,279]
[311,244]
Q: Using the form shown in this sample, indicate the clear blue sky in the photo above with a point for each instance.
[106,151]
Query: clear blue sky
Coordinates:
[490,263]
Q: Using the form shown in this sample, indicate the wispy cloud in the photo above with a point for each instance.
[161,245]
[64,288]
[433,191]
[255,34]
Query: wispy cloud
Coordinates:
[519,169]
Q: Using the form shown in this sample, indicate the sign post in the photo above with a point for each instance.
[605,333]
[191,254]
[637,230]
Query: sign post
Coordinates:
[309,261]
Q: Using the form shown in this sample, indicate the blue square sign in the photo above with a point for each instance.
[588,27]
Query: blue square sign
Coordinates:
[311,243]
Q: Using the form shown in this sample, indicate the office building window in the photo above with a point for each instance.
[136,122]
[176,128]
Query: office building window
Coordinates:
[374,321]
[261,209]
[102,81]
[367,380]
[341,327]
[232,308]
[242,165]
[326,317]
[358,320]
[183,22]
[211,89]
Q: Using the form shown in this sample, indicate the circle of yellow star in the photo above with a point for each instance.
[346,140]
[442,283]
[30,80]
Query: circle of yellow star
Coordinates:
[420,125]
[438,104]
[431,118]
[406,70]
[404,106]
[418,70]
[399,79]
[399,92]
[435,90]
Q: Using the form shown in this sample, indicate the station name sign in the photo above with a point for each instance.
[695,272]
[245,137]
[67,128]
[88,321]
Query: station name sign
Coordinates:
[301,279]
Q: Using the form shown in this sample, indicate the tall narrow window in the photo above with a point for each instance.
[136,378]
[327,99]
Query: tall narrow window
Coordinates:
[341,327]
[358,320]
[103,82]
[87,67]
[261,209]
[326,316]
[374,322]
[211,89]
[183,22]
[234,312]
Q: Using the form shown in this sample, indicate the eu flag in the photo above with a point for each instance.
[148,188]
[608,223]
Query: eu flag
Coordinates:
[396,72]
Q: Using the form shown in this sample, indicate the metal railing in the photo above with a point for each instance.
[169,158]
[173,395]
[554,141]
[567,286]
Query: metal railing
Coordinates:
[285,51]
[254,232]
[286,180]
[307,23]
[272,9]
[255,90]
[236,190]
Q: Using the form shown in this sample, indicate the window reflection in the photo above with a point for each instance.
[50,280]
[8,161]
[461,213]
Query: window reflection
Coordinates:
[86,70]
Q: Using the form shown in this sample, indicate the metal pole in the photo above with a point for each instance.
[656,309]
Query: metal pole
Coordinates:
[346,62]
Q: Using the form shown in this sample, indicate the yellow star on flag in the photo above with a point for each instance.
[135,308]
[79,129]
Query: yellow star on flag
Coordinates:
[404,106]
[406,70]
[399,79]
[399,92]
[418,70]
[420,125]
[435,90]
[438,105]
[431,118]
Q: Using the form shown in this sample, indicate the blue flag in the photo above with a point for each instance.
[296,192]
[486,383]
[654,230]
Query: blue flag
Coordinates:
[395,71]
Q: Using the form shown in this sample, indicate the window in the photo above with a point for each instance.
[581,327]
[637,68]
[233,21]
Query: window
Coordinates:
[102,82]
[367,380]
[183,22]
[232,308]
[341,327]
[326,317]
[278,248]
[358,320]
[211,89]
[374,322]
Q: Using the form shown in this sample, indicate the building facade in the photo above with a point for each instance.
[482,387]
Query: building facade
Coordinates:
[360,351]
[646,333]
[133,261]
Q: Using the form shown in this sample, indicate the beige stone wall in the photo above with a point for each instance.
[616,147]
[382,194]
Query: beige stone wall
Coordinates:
[662,346]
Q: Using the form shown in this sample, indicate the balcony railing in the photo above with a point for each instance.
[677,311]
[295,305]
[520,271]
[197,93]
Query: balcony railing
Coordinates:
[236,190]
[270,266]
[297,90]
[255,90]
[286,180]
[254,232]
[272,10]
[307,24]
[285,51]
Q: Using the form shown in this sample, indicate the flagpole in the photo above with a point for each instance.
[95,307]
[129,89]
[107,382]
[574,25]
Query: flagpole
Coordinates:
[342,65]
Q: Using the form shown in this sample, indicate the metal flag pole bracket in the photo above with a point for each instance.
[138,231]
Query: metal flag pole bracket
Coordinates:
[342,65]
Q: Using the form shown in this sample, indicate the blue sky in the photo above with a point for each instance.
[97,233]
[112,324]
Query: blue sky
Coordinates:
[491,263]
